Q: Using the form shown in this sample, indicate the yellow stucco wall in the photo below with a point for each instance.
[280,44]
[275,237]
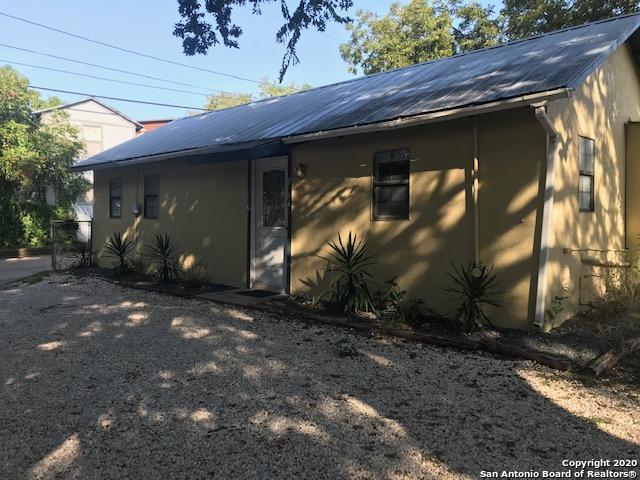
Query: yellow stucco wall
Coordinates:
[599,109]
[335,197]
[203,208]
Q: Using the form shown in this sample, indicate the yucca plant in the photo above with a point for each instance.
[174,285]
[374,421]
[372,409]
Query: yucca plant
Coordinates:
[163,255]
[473,288]
[348,263]
[118,248]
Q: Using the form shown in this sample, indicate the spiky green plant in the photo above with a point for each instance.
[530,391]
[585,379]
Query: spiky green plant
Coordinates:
[163,255]
[473,288]
[348,263]
[393,304]
[118,248]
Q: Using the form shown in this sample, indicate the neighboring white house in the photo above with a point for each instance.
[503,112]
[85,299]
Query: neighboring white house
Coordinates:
[101,127]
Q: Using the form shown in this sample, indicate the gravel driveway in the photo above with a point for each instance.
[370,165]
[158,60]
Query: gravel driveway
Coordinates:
[99,381]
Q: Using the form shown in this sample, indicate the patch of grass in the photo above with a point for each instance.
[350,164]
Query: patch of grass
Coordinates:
[597,421]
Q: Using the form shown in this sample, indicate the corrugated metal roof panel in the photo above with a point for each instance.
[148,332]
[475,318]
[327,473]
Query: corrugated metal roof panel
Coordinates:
[548,62]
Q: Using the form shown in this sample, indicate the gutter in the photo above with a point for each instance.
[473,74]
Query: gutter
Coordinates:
[475,174]
[461,112]
[553,147]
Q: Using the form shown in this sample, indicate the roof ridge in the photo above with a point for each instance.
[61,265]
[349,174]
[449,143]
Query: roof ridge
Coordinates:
[415,65]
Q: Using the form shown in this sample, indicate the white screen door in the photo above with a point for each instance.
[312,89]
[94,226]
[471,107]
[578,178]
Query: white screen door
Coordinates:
[270,220]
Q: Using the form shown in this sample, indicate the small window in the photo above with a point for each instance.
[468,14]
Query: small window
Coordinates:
[391,185]
[587,167]
[115,197]
[151,197]
[273,198]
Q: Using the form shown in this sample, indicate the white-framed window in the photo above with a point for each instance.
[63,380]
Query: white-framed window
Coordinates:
[586,185]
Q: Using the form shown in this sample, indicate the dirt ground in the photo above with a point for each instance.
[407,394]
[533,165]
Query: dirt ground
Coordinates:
[100,381]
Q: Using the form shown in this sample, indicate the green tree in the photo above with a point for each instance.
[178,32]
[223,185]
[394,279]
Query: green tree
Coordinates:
[33,155]
[198,35]
[524,18]
[476,28]
[267,89]
[219,101]
[417,32]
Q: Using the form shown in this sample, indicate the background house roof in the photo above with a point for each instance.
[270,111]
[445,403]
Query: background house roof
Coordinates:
[557,60]
[90,99]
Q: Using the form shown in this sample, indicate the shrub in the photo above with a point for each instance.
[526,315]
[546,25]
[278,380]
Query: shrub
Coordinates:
[621,292]
[195,274]
[163,254]
[393,304]
[313,301]
[118,249]
[348,263]
[473,288]
[137,265]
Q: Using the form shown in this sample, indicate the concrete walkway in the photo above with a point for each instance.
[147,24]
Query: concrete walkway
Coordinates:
[241,296]
[15,268]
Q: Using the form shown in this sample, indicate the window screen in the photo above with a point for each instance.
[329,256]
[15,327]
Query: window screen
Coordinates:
[391,185]
[586,182]
[151,197]
[115,197]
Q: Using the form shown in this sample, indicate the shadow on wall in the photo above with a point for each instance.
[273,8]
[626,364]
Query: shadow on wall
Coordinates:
[129,388]
[598,110]
[335,197]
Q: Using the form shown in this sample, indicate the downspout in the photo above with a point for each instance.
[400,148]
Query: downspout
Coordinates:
[474,194]
[553,145]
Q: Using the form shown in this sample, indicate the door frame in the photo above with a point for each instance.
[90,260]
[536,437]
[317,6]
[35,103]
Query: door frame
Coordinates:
[251,220]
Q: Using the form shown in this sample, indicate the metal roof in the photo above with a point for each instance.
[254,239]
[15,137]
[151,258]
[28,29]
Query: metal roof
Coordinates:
[553,61]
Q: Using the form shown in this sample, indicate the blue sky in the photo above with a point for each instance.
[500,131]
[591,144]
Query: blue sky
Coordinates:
[146,26]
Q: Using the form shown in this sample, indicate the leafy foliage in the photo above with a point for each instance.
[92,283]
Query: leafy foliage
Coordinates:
[223,100]
[393,304]
[524,18]
[194,274]
[349,263]
[621,292]
[198,35]
[163,254]
[473,288]
[118,248]
[417,32]
[556,304]
[33,155]
[313,301]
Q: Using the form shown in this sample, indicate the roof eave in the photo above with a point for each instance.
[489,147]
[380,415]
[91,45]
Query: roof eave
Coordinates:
[432,117]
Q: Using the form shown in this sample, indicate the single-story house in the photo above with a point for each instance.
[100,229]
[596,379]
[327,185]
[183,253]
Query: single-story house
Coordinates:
[525,156]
